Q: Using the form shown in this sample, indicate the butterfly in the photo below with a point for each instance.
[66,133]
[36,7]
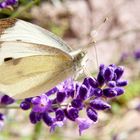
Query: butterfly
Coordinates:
[32,59]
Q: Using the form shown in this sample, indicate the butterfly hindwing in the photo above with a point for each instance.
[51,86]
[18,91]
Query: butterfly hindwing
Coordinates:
[33,69]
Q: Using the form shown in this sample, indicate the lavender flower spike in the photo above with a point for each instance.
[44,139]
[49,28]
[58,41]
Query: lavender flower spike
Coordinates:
[6,3]
[67,100]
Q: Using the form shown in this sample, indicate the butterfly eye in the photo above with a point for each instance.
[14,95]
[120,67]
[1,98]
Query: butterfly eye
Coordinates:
[7,59]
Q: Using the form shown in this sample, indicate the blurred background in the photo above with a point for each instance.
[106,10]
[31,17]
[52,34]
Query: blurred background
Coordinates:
[114,25]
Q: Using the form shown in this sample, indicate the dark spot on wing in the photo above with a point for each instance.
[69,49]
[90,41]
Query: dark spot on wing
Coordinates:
[19,40]
[11,60]
[7,59]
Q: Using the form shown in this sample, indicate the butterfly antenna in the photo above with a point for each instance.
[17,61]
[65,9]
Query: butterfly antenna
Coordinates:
[94,34]
[101,24]
[86,72]
[96,56]
[92,43]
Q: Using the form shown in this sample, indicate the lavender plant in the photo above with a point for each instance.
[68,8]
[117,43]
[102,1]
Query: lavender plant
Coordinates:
[66,100]
[7,3]
[127,56]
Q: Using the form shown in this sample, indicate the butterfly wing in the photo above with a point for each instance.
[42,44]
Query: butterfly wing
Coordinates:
[19,30]
[28,69]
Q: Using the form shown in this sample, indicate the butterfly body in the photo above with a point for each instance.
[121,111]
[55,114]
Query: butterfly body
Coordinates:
[32,59]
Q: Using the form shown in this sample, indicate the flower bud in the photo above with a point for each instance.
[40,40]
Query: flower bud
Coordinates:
[121,83]
[108,74]
[99,104]
[77,103]
[59,114]
[111,84]
[119,72]
[6,100]
[47,119]
[100,79]
[35,117]
[73,113]
[60,96]
[92,114]
[85,82]
[109,92]
[119,91]
[25,105]
[93,82]
[82,92]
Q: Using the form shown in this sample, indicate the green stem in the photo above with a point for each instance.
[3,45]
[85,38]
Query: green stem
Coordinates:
[37,131]
[17,107]
[9,107]
[25,8]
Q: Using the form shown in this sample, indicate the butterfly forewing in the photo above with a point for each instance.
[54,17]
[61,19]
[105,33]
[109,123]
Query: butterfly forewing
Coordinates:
[19,30]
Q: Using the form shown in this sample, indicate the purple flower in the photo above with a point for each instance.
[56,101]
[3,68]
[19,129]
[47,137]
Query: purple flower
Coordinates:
[86,82]
[73,113]
[111,84]
[56,124]
[59,115]
[119,72]
[77,103]
[92,114]
[102,68]
[25,105]
[83,124]
[93,82]
[95,92]
[82,92]
[119,90]
[109,92]
[60,96]
[99,104]
[68,99]
[11,2]
[2,117]
[48,119]
[6,100]
[137,54]
[6,3]
[100,79]
[67,86]
[121,83]
[109,73]
[35,117]
[52,91]
[41,103]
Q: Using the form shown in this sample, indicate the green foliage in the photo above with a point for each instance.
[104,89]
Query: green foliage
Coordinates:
[58,30]
[19,9]
[132,90]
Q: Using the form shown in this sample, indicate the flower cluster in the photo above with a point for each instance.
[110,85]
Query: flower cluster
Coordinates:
[7,3]
[67,100]
[135,55]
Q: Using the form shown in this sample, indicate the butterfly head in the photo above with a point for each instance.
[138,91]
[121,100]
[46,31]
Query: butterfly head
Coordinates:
[78,56]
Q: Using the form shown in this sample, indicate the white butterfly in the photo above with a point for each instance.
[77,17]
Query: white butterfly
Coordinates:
[32,59]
